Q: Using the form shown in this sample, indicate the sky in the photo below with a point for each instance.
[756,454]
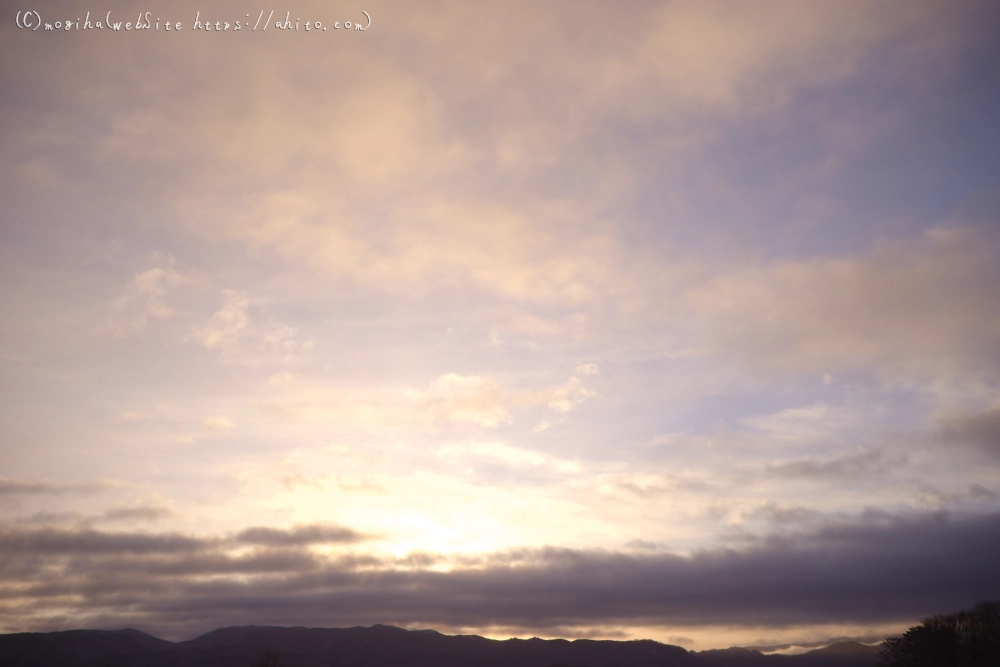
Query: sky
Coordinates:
[670,320]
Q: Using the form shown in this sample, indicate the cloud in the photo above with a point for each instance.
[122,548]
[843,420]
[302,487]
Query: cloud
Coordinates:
[847,466]
[641,485]
[914,308]
[144,298]
[450,400]
[22,486]
[143,513]
[282,340]
[816,421]
[50,518]
[981,493]
[281,379]
[566,397]
[134,416]
[47,541]
[394,129]
[720,58]
[472,399]
[546,424]
[642,545]
[226,324]
[875,568]
[514,456]
[978,430]
[291,481]
[239,338]
[300,535]
[976,493]
[53,541]
[220,423]
[480,400]
[871,638]
[140,513]
[778,514]
[588,369]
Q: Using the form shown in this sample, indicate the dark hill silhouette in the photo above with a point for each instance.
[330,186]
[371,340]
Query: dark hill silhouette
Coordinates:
[72,647]
[736,657]
[836,654]
[380,646]
[844,654]
[384,646]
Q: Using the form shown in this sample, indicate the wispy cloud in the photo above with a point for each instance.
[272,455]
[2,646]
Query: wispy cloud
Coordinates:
[145,297]
[44,486]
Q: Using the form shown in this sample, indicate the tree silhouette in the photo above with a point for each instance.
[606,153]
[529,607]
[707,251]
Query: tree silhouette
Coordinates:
[969,638]
[268,658]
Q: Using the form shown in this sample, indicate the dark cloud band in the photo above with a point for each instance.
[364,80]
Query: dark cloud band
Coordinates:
[878,568]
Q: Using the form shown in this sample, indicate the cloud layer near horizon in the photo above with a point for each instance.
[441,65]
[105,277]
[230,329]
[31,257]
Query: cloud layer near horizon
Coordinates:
[178,586]
[590,306]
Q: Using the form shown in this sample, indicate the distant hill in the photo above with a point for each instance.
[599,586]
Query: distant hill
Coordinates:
[75,647]
[844,654]
[381,646]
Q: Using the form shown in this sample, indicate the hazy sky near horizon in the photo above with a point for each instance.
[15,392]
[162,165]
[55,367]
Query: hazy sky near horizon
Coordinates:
[653,319]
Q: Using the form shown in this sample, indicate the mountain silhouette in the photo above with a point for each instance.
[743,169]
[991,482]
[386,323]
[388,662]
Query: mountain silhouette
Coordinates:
[383,646]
